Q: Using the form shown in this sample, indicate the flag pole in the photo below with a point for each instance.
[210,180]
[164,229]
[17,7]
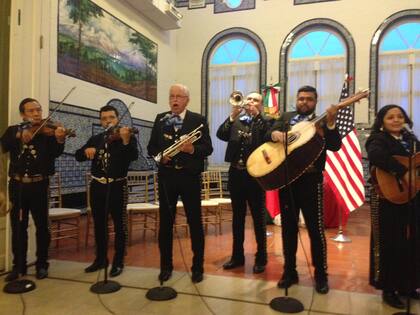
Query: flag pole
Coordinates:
[340,237]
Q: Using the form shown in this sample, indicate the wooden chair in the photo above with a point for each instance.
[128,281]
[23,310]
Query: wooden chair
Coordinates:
[213,191]
[142,214]
[210,208]
[64,222]
[180,217]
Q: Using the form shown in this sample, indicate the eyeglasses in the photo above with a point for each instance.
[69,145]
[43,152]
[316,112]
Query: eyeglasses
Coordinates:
[173,97]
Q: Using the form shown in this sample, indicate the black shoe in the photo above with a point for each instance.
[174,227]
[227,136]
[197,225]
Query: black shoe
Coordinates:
[321,286]
[116,271]
[233,264]
[165,275]
[41,273]
[287,280]
[415,295]
[13,275]
[392,299]
[95,266]
[258,268]
[197,276]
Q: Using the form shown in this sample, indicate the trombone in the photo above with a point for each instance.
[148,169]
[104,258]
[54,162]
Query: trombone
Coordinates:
[173,150]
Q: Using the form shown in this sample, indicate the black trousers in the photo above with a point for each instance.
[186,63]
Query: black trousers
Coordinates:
[117,208]
[173,184]
[32,197]
[307,195]
[244,189]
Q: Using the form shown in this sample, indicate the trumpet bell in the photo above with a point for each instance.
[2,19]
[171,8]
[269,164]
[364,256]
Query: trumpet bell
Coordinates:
[236,98]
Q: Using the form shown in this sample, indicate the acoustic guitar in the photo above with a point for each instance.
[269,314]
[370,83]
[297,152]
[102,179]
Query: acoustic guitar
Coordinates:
[396,190]
[304,145]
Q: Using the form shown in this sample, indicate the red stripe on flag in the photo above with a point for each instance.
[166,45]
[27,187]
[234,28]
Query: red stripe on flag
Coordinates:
[341,182]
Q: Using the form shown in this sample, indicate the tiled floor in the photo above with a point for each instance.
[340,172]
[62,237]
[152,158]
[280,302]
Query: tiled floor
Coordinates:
[66,291]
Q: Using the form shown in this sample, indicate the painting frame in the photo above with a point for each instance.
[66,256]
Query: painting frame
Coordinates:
[95,46]
[298,2]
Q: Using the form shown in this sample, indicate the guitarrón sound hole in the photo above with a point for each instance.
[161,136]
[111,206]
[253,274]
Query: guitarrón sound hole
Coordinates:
[292,138]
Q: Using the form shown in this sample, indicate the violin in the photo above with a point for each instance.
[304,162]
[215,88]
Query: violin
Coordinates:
[47,128]
[113,134]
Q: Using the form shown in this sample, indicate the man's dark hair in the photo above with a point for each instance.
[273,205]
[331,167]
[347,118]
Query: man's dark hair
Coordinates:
[108,108]
[308,88]
[24,101]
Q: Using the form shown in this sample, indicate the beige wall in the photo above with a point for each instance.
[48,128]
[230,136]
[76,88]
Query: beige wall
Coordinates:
[272,20]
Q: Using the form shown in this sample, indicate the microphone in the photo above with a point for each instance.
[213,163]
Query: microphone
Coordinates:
[407,130]
[167,116]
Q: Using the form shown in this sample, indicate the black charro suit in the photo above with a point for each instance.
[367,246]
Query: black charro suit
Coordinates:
[243,137]
[305,193]
[180,178]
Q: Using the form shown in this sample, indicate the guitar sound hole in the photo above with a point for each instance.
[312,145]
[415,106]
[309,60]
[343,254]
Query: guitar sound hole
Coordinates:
[292,138]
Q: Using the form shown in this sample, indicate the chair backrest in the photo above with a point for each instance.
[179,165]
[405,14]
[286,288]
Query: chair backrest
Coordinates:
[54,192]
[212,183]
[139,186]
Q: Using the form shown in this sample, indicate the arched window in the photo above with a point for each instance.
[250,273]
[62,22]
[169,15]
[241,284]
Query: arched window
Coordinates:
[317,58]
[233,62]
[316,53]
[398,66]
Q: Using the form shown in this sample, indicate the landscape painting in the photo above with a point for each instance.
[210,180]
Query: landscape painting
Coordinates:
[96,47]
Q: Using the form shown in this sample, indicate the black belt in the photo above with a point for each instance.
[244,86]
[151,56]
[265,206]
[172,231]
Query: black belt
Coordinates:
[312,169]
[175,167]
[238,166]
[27,179]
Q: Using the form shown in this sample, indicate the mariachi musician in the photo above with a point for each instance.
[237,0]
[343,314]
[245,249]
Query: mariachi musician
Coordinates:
[305,192]
[244,133]
[111,153]
[179,175]
[395,237]
[33,149]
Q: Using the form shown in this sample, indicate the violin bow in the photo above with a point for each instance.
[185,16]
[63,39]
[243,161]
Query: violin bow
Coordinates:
[53,112]
[122,116]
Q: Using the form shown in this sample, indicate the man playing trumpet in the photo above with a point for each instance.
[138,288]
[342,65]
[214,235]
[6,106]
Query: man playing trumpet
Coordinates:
[176,168]
[244,133]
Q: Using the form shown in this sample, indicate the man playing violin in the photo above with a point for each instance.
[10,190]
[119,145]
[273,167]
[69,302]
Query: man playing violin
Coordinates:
[32,156]
[306,192]
[111,156]
[180,176]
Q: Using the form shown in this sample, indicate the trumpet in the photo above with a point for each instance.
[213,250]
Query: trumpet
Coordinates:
[237,99]
[173,150]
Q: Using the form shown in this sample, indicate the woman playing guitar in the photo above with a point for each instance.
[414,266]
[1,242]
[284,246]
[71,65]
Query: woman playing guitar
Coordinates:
[395,241]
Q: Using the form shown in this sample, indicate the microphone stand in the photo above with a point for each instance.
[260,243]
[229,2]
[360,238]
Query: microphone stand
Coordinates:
[162,293]
[412,216]
[285,303]
[19,285]
[106,286]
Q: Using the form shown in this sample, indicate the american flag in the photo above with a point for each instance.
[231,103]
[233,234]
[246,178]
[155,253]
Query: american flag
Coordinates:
[343,169]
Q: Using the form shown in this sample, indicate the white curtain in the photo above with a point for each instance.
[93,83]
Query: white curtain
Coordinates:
[325,74]
[398,83]
[223,79]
